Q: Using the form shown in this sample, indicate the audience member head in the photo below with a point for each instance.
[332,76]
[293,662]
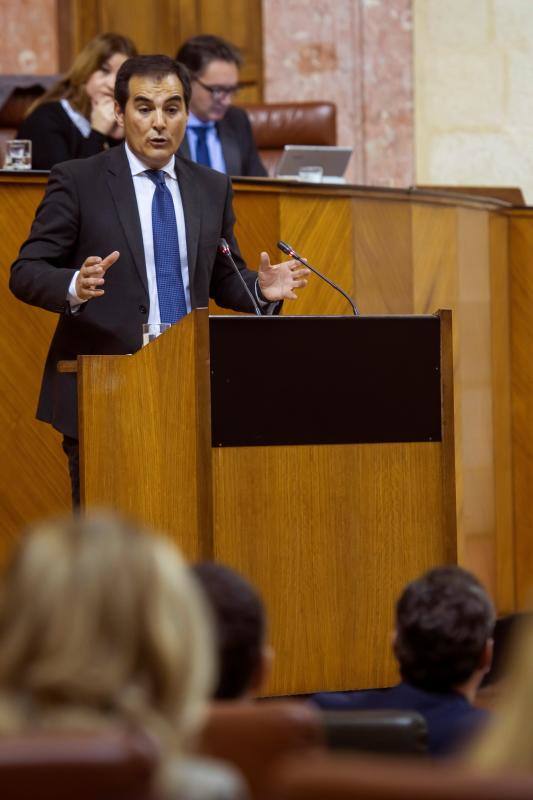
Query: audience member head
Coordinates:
[152,96]
[444,623]
[101,622]
[240,623]
[214,66]
[91,78]
[507,743]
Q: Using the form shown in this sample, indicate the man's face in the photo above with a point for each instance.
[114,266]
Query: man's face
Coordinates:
[212,105]
[155,118]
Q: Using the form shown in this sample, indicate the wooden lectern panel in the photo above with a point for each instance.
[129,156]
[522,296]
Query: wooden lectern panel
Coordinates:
[330,535]
[145,445]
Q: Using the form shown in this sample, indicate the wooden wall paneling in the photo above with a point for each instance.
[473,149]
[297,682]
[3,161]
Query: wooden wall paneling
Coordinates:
[320,229]
[521,296]
[502,414]
[382,256]
[473,320]
[160,26]
[33,469]
[339,558]
[435,285]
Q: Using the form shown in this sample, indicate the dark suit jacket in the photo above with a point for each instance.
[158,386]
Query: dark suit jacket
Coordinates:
[451,720]
[55,138]
[90,208]
[238,145]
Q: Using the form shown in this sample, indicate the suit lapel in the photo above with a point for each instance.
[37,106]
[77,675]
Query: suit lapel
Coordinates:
[230,148]
[120,184]
[192,212]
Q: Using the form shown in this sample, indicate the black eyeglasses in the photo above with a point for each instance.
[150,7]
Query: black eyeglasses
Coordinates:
[219,92]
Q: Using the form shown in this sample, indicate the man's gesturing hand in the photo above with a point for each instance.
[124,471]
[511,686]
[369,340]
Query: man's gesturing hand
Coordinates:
[91,277]
[278,281]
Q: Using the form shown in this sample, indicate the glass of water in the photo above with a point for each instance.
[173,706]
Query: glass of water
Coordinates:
[151,330]
[18,154]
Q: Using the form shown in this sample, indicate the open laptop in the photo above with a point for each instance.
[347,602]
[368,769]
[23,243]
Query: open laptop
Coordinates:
[333,161]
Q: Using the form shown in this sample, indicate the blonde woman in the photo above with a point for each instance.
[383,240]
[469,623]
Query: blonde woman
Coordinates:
[101,624]
[508,741]
[75,118]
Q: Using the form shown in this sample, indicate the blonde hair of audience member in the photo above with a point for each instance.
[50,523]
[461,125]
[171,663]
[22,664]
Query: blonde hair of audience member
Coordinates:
[507,743]
[101,623]
[92,58]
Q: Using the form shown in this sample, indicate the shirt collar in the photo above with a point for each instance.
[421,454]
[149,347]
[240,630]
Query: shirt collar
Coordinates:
[195,122]
[138,168]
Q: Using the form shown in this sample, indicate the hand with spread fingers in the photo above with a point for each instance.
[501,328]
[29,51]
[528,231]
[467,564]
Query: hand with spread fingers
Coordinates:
[91,277]
[278,281]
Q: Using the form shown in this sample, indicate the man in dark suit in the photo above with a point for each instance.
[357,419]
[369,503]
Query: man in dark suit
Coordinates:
[132,236]
[443,644]
[219,134]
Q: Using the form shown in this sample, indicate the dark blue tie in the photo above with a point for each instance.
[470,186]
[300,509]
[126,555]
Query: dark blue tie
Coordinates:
[170,291]
[202,153]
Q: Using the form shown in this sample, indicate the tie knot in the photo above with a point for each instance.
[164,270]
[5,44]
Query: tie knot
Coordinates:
[157,176]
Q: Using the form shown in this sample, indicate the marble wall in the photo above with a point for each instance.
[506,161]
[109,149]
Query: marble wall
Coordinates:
[474,90]
[357,53]
[29,37]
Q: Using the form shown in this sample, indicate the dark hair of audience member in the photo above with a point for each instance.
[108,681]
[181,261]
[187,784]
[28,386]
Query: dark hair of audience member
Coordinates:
[443,621]
[150,66]
[92,58]
[199,51]
[240,627]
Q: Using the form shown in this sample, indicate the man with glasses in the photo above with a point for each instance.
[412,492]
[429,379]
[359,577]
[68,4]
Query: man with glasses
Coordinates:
[219,134]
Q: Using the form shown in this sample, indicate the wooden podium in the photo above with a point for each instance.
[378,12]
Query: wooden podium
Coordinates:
[314,454]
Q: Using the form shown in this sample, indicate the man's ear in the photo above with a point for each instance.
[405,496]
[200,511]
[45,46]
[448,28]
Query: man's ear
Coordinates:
[119,115]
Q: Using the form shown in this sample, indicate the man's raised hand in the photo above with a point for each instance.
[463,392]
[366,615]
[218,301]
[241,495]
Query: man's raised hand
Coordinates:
[91,277]
[278,281]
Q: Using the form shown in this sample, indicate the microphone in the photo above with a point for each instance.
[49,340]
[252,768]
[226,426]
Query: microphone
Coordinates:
[223,248]
[287,249]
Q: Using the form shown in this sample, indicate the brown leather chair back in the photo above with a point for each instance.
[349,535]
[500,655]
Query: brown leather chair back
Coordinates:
[252,736]
[387,732]
[106,766]
[276,124]
[374,778]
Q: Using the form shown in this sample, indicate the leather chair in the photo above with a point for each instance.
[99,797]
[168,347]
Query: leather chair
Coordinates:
[276,124]
[374,778]
[52,766]
[253,736]
[387,732]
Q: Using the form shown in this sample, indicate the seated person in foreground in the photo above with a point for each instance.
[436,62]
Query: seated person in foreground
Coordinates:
[240,630]
[442,641]
[219,135]
[102,626]
[75,118]
[507,742]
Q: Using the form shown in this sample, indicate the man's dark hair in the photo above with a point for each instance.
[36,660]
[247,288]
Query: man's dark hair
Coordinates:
[198,52]
[154,67]
[443,621]
[240,626]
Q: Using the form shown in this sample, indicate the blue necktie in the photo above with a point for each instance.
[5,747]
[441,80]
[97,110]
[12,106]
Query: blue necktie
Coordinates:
[202,153]
[170,291]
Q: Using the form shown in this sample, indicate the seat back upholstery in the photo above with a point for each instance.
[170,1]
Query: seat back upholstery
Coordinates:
[52,766]
[17,94]
[379,778]
[276,124]
[393,732]
[252,736]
